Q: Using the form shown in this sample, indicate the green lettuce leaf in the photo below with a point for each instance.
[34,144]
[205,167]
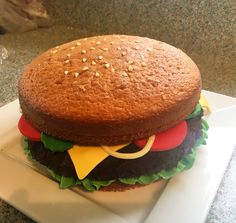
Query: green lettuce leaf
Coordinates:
[197,111]
[26,148]
[55,145]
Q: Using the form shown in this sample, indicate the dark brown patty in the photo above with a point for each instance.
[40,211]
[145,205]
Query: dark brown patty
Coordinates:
[114,168]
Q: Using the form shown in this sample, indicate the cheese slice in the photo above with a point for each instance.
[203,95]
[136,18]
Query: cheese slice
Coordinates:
[86,158]
[205,105]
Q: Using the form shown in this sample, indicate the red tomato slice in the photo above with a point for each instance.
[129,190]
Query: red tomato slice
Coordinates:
[168,139]
[28,130]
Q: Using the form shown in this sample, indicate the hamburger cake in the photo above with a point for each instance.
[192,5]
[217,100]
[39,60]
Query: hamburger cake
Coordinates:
[112,112]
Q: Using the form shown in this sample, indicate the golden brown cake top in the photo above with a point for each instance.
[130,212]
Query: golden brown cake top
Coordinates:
[113,78]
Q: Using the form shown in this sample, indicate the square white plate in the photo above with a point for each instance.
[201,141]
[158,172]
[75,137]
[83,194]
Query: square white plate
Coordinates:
[185,198]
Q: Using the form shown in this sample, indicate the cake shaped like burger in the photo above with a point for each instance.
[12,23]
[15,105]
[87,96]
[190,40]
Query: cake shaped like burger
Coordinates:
[112,111]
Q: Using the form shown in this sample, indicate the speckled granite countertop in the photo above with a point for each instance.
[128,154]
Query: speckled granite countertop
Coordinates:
[205,30]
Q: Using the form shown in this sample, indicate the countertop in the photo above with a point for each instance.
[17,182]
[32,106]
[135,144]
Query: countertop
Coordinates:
[205,30]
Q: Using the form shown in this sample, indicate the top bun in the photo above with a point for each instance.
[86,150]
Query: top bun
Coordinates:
[109,89]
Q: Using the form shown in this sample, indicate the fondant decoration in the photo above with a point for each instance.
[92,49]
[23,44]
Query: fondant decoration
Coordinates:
[86,158]
[28,130]
[168,139]
[54,144]
[204,103]
[146,148]
[197,111]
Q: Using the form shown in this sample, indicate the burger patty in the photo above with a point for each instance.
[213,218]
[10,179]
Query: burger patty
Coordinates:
[114,168]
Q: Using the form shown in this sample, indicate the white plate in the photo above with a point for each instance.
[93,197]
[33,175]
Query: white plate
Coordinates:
[185,198]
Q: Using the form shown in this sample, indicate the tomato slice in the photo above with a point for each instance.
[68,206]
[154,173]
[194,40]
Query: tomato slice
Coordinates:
[28,130]
[168,139]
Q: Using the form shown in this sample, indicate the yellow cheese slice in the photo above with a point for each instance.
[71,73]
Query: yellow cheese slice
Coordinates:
[205,105]
[86,158]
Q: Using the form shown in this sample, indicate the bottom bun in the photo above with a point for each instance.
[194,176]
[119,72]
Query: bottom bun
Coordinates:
[119,187]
